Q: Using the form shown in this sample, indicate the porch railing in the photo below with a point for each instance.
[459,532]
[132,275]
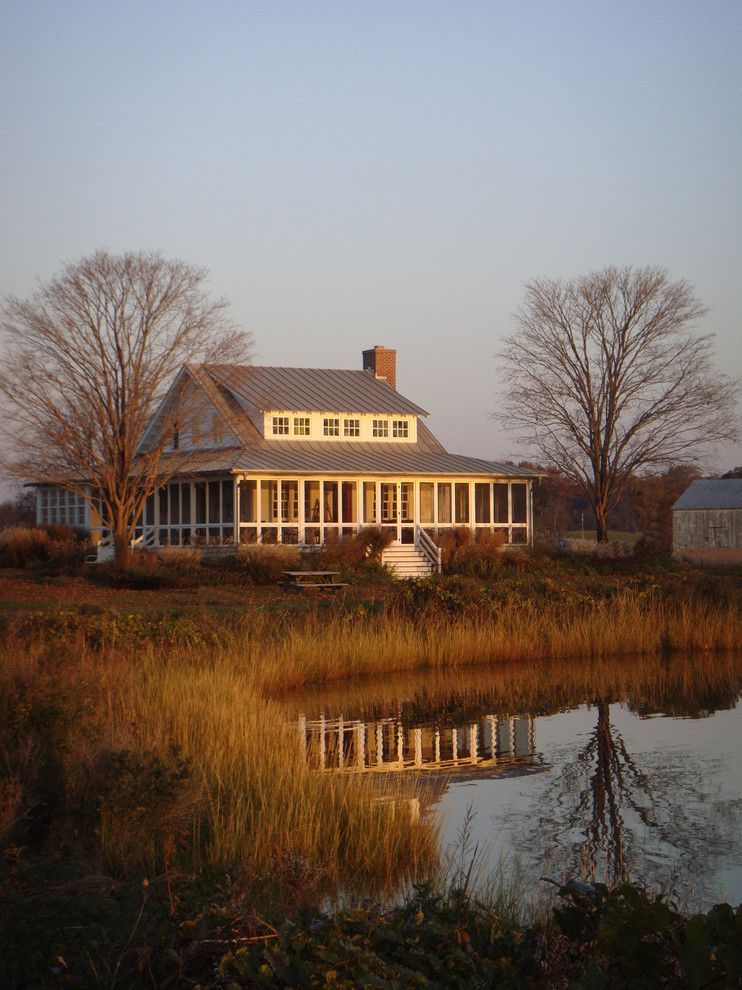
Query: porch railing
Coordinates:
[428,547]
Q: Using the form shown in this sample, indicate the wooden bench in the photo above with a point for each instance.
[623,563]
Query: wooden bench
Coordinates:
[313,580]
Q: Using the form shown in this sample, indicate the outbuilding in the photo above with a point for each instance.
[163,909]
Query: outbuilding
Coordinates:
[707,521]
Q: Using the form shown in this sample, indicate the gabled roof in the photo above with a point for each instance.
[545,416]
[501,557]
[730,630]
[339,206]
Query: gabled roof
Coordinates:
[717,493]
[241,394]
[258,389]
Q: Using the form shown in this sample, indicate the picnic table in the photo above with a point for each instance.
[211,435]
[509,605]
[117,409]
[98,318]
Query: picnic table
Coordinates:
[313,580]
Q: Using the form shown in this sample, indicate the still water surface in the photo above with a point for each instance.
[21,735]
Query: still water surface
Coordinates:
[579,775]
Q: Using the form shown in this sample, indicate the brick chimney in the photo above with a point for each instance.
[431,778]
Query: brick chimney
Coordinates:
[382,363]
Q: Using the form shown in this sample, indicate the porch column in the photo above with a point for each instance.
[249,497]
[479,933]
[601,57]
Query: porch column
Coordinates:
[530,513]
[156,514]
[510,512]
[360,504]
[399,511]
[472,513]
[435,507]
[279,512]
[302,521]
[492,505]
[259,512]
[378,504]
[237,478]
[493,736]
[321,511]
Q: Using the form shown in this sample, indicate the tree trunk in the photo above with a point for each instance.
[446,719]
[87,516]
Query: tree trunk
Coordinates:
[601,524]
[121,546]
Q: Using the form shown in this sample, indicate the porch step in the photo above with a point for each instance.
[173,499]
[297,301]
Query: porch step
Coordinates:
[406,561]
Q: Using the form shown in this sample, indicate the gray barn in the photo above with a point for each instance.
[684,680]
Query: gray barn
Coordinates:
[707,521]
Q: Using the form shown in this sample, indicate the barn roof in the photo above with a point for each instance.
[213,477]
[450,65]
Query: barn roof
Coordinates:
[717,493]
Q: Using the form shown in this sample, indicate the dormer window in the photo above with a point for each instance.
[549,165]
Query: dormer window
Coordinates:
[280,426]
[400,428]
[176,437]
[330,427]
[351,427]
[301,426]
[380,428]
[217,431]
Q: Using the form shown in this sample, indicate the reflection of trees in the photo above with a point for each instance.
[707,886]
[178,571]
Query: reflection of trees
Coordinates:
[614,782]
[601,804]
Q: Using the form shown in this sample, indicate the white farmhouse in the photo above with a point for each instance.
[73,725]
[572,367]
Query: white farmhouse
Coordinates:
[290,455]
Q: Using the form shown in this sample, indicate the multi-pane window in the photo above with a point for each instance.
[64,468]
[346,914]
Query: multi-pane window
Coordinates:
[400,428]
[280,426]
[217,430]
[380,428]
[301,426]
[351,427]
[330,427]
[57,505]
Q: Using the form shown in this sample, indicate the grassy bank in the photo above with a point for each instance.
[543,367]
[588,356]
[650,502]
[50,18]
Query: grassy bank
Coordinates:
[155,803]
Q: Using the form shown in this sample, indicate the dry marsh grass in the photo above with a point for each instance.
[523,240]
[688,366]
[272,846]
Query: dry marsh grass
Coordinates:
[173,762]
[318,651]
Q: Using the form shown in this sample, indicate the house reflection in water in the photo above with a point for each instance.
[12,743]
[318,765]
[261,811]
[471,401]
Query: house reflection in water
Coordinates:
[388,744]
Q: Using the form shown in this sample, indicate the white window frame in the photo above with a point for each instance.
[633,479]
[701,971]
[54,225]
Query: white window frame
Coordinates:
[351,427]
[330,426]
[302,426]
[280,426]
[380,428]
[400,428]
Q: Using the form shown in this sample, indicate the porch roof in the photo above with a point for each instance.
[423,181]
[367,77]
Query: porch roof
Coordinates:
[307,458]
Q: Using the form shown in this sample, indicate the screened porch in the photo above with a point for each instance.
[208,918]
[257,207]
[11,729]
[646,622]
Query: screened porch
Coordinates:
[248,510]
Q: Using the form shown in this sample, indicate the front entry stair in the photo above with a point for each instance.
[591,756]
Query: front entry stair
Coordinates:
[406,560]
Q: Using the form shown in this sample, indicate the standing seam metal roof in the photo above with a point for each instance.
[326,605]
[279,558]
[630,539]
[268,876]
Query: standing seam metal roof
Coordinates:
[258,389]
[714,493]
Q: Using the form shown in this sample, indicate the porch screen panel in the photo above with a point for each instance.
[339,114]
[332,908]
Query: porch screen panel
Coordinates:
[481,503]
[350,508]
[426,502]
[248,501]
[162,496]
[201,503]
[269,502]
[174,490]
[444,502]
[389,502]
[213,501]
[369,502]
[407,490]
[462,503]
[311,501]
[290,501]
[228,501]
[330,502]
[501,502]
[185,503]
[519,503]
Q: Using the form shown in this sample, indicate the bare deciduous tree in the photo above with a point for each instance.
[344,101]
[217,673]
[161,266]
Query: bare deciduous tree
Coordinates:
[604,377]
[87,361]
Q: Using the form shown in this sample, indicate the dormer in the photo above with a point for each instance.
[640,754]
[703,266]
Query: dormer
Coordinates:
[339,425]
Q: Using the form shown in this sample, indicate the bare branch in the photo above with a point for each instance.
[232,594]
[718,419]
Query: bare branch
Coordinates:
[604,377]
[87,361]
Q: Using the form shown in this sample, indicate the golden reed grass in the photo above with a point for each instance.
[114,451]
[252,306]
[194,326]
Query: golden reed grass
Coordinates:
[318,651]
[251,802]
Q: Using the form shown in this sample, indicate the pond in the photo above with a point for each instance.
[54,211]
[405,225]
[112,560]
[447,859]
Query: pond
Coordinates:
[591,770]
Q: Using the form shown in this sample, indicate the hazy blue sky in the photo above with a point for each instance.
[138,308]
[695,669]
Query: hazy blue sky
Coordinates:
[391,173]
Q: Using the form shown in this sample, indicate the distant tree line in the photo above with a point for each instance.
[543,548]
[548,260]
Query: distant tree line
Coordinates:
[645,506]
